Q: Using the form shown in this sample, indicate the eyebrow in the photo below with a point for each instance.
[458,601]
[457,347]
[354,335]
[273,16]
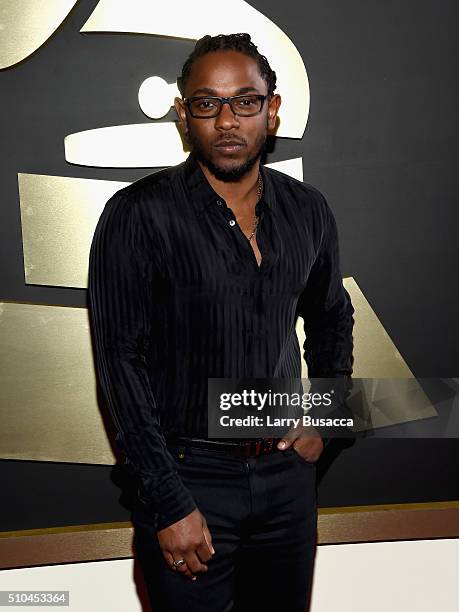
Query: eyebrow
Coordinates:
[211,92]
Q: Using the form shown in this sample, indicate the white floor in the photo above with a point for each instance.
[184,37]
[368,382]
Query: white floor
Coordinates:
[419,576]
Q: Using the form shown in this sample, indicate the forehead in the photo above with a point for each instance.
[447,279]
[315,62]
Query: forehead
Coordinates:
[225,72]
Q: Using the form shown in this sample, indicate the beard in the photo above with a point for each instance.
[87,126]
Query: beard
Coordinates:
[226,174]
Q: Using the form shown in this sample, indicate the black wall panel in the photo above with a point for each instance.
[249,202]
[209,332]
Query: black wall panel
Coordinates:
[381,143]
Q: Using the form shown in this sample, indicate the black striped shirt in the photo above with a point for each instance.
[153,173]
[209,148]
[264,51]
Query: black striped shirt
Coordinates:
[176,296]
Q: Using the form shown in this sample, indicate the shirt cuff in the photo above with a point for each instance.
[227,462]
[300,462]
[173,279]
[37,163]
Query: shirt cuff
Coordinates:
[169,503]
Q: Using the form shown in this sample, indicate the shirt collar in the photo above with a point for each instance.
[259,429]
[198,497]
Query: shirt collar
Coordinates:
[203,195]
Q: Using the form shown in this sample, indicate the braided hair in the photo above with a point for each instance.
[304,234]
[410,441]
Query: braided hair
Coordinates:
[227,42]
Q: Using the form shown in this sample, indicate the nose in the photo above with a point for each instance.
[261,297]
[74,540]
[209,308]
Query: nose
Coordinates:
[226,120]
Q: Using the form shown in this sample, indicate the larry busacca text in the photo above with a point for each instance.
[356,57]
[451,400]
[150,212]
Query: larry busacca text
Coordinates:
[269,421]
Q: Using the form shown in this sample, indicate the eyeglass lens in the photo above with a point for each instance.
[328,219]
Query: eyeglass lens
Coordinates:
[210,107]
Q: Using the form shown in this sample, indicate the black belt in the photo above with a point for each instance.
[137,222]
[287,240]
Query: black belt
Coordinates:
[236,448]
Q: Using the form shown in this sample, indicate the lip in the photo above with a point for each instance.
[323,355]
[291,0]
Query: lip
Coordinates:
[229,146]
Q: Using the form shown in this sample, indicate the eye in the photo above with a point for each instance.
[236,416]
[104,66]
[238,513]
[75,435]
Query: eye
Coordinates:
[204,104]
[247,102]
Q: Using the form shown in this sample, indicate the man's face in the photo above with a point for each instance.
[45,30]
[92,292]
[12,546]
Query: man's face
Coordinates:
[227,73]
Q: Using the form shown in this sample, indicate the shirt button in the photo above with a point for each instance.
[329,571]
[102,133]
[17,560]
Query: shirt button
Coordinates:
[219,202]
[232,222]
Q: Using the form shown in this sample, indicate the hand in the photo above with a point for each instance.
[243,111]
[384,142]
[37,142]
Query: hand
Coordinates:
[187,539]
[306,441]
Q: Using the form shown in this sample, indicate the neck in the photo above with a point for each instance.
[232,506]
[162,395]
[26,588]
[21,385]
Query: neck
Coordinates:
[239,194]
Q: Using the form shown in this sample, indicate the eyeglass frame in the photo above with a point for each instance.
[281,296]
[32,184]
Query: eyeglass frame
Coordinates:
[224,100]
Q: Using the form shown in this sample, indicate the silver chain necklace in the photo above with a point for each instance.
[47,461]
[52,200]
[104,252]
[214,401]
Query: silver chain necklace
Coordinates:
[259,192]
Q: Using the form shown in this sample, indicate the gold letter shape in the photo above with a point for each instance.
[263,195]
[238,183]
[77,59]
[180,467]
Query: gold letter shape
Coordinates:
[25,25]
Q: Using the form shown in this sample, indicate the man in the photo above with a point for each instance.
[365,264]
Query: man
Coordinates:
[199,271]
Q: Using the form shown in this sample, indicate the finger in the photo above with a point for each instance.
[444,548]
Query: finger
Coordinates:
[289,438]
[286,441]
[205,550]
[208,538]
[184,569]
[194,564]
[169,560]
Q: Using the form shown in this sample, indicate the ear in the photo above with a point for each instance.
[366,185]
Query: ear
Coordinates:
[273,107]
[180,109]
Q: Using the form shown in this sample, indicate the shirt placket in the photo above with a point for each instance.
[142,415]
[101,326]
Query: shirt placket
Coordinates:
[240,238]
[253,277]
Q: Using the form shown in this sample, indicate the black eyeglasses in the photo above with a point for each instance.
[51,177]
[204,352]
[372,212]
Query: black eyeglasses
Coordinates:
[211,106]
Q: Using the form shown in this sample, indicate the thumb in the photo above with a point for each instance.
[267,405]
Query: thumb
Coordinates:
[284,443]
[288,438]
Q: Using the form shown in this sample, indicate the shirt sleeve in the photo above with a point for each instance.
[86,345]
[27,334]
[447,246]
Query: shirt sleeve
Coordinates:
[327,311]
[120,284]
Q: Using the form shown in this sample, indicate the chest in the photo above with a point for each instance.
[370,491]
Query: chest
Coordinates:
[213,252]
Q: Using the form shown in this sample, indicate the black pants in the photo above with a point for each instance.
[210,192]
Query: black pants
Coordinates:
[262,516]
